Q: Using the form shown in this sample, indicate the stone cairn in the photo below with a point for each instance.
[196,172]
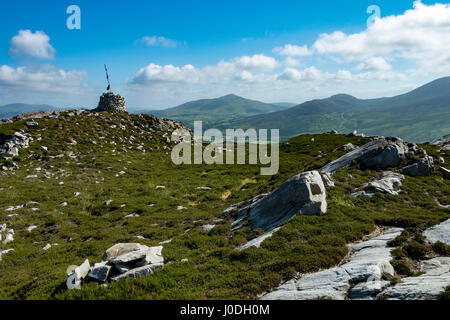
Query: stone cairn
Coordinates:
[111,102]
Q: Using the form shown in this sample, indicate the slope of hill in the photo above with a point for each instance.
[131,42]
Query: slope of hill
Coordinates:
[215,111]
[90,180]
[420,115]
[14,109]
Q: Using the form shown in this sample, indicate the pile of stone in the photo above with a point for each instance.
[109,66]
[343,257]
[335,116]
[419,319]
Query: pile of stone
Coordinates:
[121,261]
[18,141]
[111,102]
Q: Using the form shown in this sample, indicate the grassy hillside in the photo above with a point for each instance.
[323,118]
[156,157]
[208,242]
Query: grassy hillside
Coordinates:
[121,172]
[215,111]
[418,116]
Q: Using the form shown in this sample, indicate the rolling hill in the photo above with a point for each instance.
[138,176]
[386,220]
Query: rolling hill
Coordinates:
[14,109]
[419,115]
[218,111]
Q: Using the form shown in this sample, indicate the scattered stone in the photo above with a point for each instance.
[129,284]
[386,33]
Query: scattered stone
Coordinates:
[32,124]
[31,228]
[208,227]
[133,215]
[160,187]
[181,208]
[108,202]
[6,234]
[441,160]
[18,141]
[2,252]
[326,177]
[203,188]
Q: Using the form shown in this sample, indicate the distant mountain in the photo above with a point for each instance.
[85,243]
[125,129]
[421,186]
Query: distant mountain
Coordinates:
[11,110]
[284,104]
[420,115]
[217,111]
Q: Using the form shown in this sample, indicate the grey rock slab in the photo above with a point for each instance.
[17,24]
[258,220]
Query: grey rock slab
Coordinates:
[100,273]
[420,169]
[368,290]
[445,173]
[440,232]
[138,272]
[428,286]
[377,154]
[303,194]
[130,256]
[120,249]
[389,182]
[258,241]
[153,255]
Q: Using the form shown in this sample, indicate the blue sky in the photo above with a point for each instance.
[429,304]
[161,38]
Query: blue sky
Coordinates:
[161,54]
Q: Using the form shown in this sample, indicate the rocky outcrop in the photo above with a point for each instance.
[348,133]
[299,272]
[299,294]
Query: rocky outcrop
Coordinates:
[440,232]
[378,154]
[443,143]
[111,102]
[121,261]
[427,286]
[420,169]
[303,194]
[40,115]
[13,144]
[389,183]
[359,278]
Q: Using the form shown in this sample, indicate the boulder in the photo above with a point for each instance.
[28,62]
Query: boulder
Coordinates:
[32,124]
[377,154]
[389,182]
[420,169]
[120,249]
[346,147]
[303,194]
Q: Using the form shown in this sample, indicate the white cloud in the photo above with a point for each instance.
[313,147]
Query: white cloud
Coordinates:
[421,34]
[153,74]
[36,45]
[291,62]
[256,62]
[42,79]
[293,50]
[308,74]
[374,64]
[159,41]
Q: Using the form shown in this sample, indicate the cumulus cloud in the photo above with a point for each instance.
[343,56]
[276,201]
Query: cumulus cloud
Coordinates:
[256,62]
[420,34]
[374,64]
[36,45]
[153,74]
[293,50]
[159,41]
[41,79]
[308,74]
[245,68]
[291,62]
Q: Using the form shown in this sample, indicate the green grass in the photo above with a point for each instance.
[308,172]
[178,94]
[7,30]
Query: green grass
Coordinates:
[86,227]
